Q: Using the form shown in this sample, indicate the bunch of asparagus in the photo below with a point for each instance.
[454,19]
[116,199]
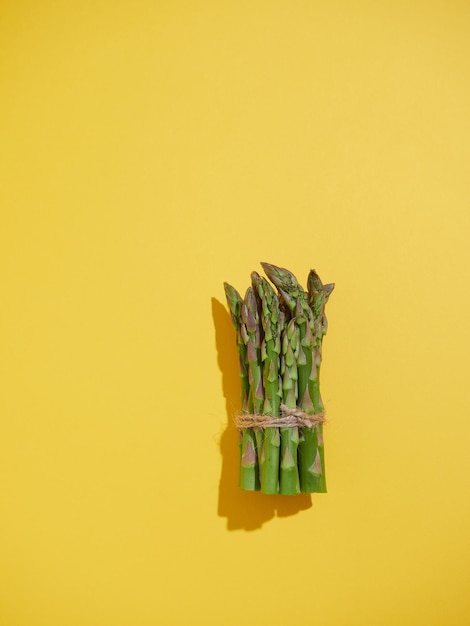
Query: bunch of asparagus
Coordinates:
[279,340]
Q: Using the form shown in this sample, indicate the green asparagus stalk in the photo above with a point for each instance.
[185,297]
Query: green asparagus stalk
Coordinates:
[272,321]
[312,465]
[289,475]
[235,302]
[248,476]
[255,303]
[251,335]
[310,470]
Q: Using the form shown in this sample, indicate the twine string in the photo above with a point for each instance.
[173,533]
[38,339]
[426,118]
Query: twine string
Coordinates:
[289,418]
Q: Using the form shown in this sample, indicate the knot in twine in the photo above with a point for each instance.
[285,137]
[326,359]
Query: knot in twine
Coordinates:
[289,418]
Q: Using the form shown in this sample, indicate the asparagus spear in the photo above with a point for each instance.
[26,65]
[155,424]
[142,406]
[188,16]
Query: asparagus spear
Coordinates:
[258,403]
[272,321]
[251,335]
[248,478]
[289,475]
[312,464]
[235,302]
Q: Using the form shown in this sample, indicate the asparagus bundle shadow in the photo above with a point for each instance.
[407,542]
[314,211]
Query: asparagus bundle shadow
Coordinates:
[279,339]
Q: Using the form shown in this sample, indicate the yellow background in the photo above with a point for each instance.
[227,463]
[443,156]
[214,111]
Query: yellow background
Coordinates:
[152,150]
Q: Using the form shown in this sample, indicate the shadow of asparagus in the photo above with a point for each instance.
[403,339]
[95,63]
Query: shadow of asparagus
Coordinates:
[244,510]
